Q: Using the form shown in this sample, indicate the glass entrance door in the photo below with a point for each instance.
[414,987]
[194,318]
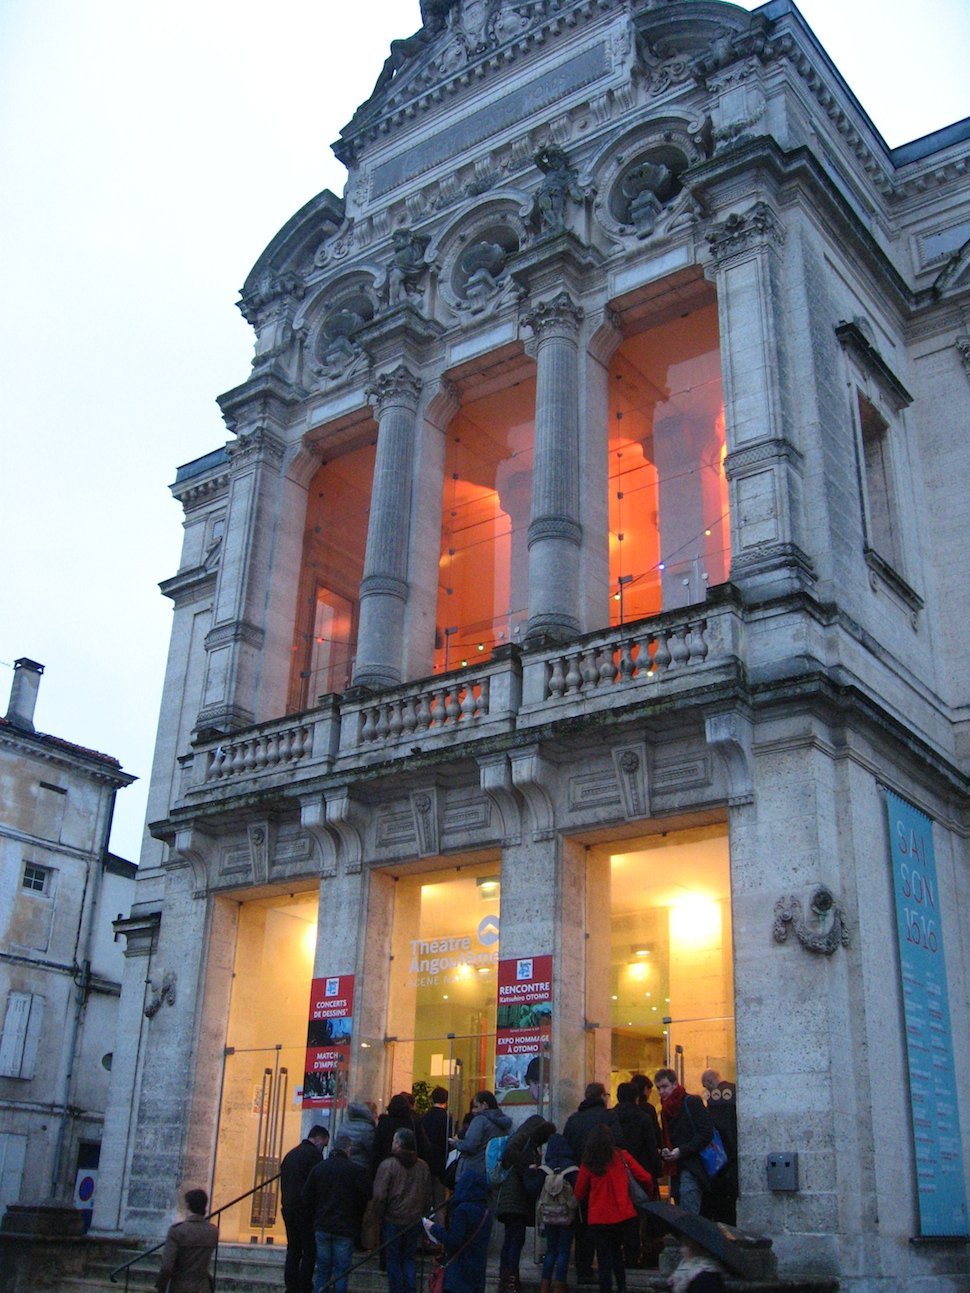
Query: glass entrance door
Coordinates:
[260,1103]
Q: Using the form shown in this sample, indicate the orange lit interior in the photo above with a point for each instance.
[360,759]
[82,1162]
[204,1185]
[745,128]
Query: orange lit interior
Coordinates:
[483,564]
[669,532]
[338,504]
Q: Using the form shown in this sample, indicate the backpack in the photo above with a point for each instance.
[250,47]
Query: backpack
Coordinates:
[556,1205]
[495,1173]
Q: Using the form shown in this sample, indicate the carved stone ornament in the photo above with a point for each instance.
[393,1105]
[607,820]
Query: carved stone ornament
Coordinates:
[741,231]
[962,344]
[160,996]
[407,267]
[341,354]
[823,935]
[559,317]
[394,389]
[558,188]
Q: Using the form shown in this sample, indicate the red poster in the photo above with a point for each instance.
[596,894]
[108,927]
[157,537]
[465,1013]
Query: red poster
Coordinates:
[523,1028]
[328,1040]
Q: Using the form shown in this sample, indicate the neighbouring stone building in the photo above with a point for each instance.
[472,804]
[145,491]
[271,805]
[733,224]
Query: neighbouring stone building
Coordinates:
[60,961]
[576,610]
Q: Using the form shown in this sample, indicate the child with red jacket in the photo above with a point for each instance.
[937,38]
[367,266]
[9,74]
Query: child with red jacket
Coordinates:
[603,1184]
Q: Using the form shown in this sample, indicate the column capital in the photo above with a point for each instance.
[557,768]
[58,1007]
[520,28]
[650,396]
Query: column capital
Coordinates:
[257,446]
[559,317]
[742,232]
[399,388]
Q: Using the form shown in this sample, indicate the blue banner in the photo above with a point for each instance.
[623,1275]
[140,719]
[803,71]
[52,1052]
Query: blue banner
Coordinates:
[940,1182]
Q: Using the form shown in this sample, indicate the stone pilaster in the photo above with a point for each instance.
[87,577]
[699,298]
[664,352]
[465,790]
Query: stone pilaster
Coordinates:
[384,587]
[555,531]
[234,643]
[763,465]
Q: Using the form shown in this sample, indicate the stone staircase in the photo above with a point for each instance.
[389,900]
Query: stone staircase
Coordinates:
[84,1265]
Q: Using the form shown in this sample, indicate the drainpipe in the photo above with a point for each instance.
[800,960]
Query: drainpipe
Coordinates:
[82,980]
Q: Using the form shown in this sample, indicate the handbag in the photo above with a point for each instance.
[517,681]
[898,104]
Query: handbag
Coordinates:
[713,1156]
[638,1195]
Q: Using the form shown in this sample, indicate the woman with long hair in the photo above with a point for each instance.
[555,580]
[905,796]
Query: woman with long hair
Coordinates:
[603,1185]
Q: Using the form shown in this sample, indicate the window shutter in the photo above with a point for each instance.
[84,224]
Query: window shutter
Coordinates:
[13,1040]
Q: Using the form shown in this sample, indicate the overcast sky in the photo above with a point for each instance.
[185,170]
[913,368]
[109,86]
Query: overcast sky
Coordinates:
[148,152]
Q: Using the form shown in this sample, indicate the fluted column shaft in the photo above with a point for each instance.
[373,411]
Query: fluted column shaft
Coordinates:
[555,532]
[384,587]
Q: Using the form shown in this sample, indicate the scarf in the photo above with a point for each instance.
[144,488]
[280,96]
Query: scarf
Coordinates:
[670,1109]
[689,1269]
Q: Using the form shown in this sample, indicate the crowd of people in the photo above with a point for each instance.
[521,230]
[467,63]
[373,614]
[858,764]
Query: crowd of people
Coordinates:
[401,1180]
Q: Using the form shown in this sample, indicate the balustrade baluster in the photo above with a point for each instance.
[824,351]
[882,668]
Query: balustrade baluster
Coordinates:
[483,698]
[573,677]
[468,702]
[424,713]
[395,722]
[438,707]
[588,668]
[661,657]
[369,729]
[607,665]
[557,679]
[409,718]
[626,660]
[679,650]
[698,642]
[452,708]
[380,730]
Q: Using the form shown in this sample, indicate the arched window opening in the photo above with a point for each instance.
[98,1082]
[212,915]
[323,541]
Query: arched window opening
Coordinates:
[335,538]
[483,564]
[669,526]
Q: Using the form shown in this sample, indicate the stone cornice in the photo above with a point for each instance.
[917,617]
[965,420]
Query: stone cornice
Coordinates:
[257,446]
[189,585]
[781,173]
[265,397]
[194,493]
[50,749]
[853,339]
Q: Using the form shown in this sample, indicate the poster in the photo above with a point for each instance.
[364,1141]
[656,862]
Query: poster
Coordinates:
[926,1012]
[328,1040]
[523,1029]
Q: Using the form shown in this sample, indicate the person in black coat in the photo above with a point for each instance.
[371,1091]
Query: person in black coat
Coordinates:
[721,1201]
[398,1117]
[591,1112]
[687,1130]
[335,1196]
[300,1244]
[465,1238]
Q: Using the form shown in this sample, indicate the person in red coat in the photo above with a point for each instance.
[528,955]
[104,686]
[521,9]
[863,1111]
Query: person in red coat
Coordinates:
[603,1185]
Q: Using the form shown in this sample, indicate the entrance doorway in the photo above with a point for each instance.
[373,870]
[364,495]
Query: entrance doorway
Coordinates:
[659,959]
[442,995]
[260,1106]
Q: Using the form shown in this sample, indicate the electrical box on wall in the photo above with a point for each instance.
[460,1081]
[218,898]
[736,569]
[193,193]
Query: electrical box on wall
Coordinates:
[782,1171]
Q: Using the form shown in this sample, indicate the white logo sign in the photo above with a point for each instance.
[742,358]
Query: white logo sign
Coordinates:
[332,988]
[523,969]
[488,930]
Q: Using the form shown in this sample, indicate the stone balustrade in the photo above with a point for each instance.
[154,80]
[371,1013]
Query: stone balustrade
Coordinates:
[423,710]
[512,690]
[644,654]
[266,750]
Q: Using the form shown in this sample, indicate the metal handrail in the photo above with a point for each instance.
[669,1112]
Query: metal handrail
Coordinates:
[373,1252]
[209,1216]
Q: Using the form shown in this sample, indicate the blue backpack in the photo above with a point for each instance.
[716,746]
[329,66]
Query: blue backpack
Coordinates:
[495,1173]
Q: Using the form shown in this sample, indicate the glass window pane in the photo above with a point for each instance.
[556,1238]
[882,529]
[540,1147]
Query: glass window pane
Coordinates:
[669,530]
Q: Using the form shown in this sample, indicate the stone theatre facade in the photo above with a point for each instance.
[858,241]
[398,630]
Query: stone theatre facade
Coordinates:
[580,587]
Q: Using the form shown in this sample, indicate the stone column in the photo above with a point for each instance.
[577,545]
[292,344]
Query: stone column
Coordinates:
[763,466]
[555,532]
[384,588]
[234,642]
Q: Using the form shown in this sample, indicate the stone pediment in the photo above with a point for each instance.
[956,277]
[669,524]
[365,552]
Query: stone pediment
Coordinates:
[458,40]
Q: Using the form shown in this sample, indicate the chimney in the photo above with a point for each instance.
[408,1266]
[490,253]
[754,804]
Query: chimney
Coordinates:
[23,693]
